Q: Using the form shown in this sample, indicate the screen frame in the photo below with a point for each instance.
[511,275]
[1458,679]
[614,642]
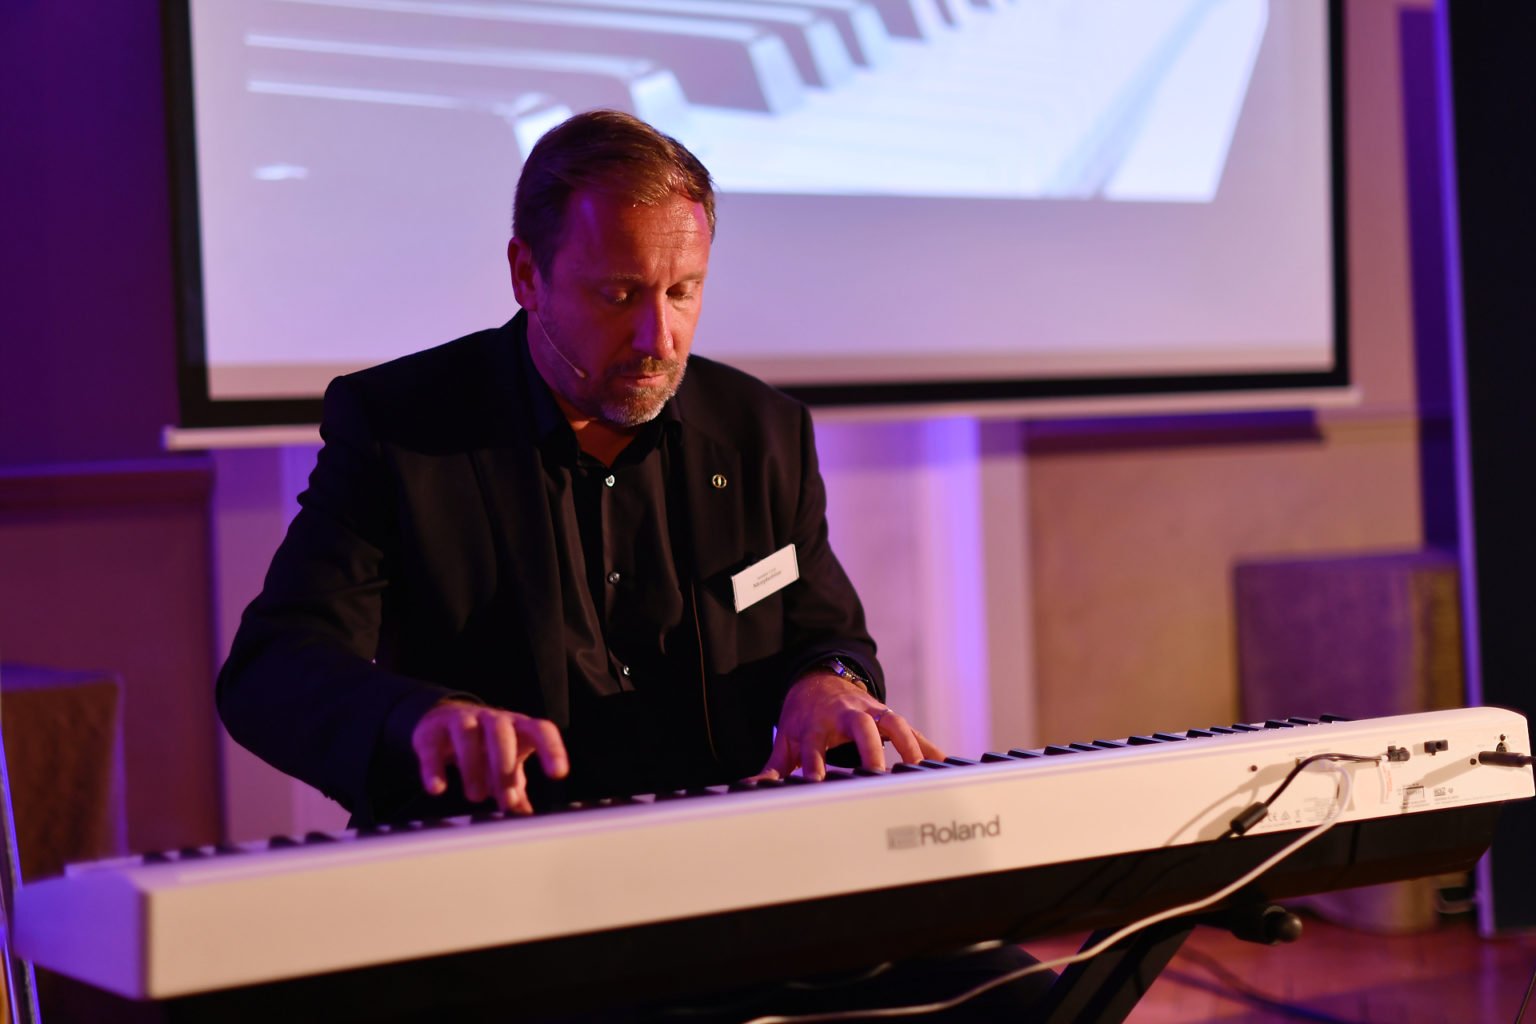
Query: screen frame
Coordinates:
[1017,397]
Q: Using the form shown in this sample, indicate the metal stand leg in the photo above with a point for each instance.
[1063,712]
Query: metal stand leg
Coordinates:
[1105,989]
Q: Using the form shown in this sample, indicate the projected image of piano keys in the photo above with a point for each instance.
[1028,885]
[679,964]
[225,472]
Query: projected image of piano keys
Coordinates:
[495,80]
[1007,98]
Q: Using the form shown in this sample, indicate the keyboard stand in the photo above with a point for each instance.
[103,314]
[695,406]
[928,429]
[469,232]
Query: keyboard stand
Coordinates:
[1105,989]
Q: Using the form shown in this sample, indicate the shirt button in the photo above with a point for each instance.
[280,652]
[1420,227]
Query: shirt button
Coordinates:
[613,577]
[608,480]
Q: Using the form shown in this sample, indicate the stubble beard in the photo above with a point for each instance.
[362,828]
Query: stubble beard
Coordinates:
[624,406]
[613,400]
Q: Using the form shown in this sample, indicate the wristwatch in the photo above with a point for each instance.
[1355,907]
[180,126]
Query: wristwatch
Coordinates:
[849,672]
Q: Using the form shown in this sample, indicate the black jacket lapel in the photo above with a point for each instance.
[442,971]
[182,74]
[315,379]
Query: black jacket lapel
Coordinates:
[509,474]
[713,495]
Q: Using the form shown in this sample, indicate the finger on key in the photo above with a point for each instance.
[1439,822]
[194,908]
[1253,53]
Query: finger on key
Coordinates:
[866,736]
[469,754]
[501,757]
[902,737]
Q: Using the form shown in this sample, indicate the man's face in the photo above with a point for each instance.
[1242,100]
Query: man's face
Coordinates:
[611,324]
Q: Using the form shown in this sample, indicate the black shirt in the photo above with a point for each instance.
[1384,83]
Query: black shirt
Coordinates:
[633,664]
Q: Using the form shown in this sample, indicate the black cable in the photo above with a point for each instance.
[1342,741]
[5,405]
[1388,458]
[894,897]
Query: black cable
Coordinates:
[1256,812]
[1520,1013]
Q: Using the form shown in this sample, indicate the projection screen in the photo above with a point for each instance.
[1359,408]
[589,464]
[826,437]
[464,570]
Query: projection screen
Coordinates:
[919,200]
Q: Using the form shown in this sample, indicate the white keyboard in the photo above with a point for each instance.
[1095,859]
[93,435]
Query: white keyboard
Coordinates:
[199,920]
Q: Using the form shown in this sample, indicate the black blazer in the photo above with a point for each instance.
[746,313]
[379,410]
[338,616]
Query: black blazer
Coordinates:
[422,564]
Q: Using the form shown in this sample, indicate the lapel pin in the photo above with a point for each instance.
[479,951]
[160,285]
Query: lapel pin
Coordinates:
[719,481]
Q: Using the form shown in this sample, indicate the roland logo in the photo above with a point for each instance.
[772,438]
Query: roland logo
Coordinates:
[932,833]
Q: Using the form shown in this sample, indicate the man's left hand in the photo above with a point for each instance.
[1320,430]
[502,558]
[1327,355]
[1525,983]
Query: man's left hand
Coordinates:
[823,710]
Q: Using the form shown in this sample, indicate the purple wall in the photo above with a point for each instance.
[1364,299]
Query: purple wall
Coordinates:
[87,333]
[104,546]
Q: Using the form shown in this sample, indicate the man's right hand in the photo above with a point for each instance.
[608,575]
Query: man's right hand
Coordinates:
[489,746]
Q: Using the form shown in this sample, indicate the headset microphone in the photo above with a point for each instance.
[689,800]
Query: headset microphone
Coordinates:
[556,349]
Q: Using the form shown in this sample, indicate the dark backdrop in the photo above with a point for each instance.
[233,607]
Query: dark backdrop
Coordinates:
[1493,80]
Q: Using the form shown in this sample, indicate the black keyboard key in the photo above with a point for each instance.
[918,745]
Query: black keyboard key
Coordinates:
[1141,741]
[1334,718]
[1168,737]
[1016,752]
[1223,730]
[1199,734]
[863,772]
[192,853]
[156,857]
[928,763]
[1298,720]
[281,842]
[1109,744]
[993,757]
[1245,727]
[960,762]
[1275,723]
[311,838]
[902,767]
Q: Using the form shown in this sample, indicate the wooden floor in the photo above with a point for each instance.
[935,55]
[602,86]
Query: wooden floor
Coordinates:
[1334,974]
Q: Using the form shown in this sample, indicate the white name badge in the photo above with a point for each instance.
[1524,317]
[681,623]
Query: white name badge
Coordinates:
[769,576]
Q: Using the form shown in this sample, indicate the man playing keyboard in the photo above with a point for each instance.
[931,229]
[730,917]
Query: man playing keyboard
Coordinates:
[560,559]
